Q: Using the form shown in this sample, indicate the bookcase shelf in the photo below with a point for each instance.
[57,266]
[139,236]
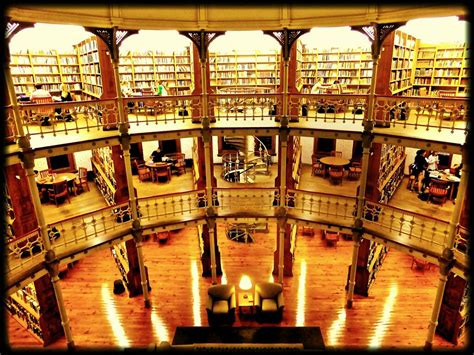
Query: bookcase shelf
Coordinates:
[441,67]
[143,69]
[49,68]
[369,260]
[351,66]
[244,70]
[119,253]
[90,67]
[103,168]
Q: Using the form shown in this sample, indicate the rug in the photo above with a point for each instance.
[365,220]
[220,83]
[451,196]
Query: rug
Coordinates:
[310,337]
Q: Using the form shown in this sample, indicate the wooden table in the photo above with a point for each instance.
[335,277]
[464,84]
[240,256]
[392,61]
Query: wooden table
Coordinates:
[333,161]
[154,167]
[49,181]
[245,302]
[450,178]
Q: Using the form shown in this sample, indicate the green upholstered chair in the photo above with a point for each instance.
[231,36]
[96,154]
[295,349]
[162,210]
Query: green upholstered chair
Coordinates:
[269,301]
[221,304]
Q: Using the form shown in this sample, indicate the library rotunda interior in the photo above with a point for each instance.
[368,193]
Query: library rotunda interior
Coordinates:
[260,178]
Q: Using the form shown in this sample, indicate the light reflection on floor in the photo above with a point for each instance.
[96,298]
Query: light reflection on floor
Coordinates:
[337,327]
[196,296]
[381,326]
[300,308]
[113,317]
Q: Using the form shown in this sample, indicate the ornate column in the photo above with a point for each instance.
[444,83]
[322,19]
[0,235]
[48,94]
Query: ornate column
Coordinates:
[286,38]
[11,29]
[376,34]
[50,257]
[357,230]
[201,40]
[446,262]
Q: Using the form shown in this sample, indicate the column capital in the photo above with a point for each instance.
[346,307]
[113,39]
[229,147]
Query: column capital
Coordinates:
[112,37]
[201,40]
[377,32]
[367,138]
[124,140]
[27,158]
[286,38]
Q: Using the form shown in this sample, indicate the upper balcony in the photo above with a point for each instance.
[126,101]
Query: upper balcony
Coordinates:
[443,123]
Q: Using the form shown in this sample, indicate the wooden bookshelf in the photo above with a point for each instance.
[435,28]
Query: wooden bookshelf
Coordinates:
[47,67]
[103,168]
[369,260]
[143,69]
[241,71]
[441,67]
[403,56]
[119,253]
[351,66]
[90,67]
[454,314]
[385,171]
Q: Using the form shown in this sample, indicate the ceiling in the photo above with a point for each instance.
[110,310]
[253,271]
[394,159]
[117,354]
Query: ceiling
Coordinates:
[232,17]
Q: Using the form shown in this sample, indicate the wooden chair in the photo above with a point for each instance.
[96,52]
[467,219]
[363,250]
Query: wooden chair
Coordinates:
[143,172]
[59,191]
[331,238]
[354,171]
[336,173]
[337,153]
[438,190]
[180,164]
[317,167]
[162,171]
[81,181]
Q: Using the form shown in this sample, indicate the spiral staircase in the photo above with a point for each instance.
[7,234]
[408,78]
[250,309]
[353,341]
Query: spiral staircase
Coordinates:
[242,164]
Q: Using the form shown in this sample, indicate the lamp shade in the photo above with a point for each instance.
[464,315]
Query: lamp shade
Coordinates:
[245,283]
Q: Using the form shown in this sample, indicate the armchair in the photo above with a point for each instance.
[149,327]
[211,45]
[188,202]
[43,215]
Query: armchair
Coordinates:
[221,304]
[269,301]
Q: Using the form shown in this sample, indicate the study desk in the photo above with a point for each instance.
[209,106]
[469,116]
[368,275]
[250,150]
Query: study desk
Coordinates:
[158,167]
[48,182]
[443,176]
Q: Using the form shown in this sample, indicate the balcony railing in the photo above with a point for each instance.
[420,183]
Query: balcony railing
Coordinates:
[79,230]
[247,109]
[435,114]
[419,116]
[407,227]
[332,208]
[246,200]
[24,253]
[159,209]
[94,228]
[158,110]
[77,117]
[319,109]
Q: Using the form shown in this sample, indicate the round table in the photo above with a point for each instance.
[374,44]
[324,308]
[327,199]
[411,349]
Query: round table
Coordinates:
[59,177]
[155,166]
[450,178]
[334,161]
[49,181]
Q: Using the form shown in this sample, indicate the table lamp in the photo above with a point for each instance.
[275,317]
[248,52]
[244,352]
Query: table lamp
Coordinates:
[245,283]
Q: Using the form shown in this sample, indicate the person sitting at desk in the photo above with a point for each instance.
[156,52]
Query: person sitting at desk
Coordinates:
[316,89]
[156,155]
[337,87]
[65,96]
[40,94]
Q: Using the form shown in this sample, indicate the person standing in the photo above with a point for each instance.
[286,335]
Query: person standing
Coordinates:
[156,155]
[418,168]
[316,89]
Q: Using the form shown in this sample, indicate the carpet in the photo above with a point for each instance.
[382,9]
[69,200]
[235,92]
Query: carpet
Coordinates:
[310,337]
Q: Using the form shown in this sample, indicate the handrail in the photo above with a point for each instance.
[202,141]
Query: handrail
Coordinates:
[79,231]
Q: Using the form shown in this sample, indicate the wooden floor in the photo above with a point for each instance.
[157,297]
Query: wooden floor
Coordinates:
[395,315]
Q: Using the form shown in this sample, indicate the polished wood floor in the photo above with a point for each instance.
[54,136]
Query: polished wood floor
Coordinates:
[394,316]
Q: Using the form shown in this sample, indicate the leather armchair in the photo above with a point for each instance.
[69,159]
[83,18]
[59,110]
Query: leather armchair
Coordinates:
[221,304]
[269,301]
